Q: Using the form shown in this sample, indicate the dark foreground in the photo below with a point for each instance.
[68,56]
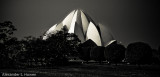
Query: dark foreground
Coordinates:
[89,70]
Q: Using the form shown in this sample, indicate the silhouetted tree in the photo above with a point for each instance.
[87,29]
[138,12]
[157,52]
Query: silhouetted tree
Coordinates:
[3,56]
[73,44]
[62,45]
[22,56]
[30,46]
[6,30]
[155,56]
[85,48]
[138,53]
[88,43]
[84,53]
[12,49]
[97,54]
[114,53]
[41,52]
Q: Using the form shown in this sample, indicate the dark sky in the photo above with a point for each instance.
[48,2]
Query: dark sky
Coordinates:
[129,20]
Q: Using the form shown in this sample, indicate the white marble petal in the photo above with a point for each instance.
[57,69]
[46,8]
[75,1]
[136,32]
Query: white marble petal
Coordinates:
[67,21]
[72,27]
[85,22]
[93,34]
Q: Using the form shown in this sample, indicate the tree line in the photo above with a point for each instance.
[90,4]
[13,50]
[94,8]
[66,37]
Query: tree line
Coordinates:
[134,53]
[32,52]
[60,46]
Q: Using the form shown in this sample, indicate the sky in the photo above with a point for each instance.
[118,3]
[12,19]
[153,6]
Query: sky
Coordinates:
[129,20]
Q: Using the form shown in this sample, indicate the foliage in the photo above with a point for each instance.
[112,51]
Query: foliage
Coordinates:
[84,49]
[114,53]
[8,44]
[138,53]
[88,43]
[6,30]
[155,56]
[63,44]
[84,53]
[53,51]
[97,53]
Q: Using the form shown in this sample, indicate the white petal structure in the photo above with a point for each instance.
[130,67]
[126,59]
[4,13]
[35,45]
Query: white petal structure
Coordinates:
[93,34]
[50,31]
[84,27]
[85,22]
[59,27]
[72,27]
[106,35]
[67,21]
[111,42]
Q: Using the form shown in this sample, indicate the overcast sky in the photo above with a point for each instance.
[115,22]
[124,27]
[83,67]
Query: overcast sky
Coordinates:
[129,20]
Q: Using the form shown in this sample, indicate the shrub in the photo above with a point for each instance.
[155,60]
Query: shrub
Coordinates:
[114,53]
[138,53]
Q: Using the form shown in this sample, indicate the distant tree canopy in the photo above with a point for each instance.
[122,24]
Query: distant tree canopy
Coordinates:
[63,45]
[6,29]
[84,53]
[55,50]
[64,42]
[97,53]
[88,43]
[155,56]
[138,53]
[8,44]
[33,51]
[115,53]
[59,47]
[84,50]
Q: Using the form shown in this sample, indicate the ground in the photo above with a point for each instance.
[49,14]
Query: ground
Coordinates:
[91,70]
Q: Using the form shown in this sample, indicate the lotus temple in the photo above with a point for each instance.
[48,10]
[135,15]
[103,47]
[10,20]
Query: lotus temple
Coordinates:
[84,27]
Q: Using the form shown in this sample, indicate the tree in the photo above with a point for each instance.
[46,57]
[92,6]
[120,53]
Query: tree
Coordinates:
[73,44]
[84,53]
[3,56]
[62,45]
[88,43]
[29,46]
[11,47]
[114,53]
[138,53]
[34,52]
[84,49]
[6,30]
[155,56]
[97,54]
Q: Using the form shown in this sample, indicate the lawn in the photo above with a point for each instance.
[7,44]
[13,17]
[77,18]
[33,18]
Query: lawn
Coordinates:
[91,70]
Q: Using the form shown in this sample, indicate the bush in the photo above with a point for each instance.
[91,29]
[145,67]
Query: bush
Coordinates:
[97,53]
[115,53]
[138,53]
[155,56]
[84,53]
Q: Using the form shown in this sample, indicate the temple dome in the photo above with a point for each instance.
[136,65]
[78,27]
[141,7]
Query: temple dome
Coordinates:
[84,27]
